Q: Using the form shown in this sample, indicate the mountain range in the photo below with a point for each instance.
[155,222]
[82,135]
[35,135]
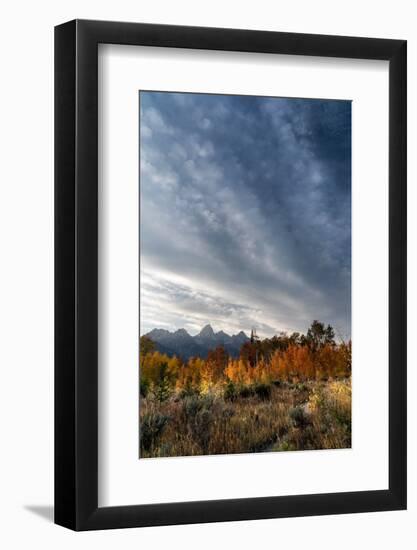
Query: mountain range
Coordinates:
[182,344]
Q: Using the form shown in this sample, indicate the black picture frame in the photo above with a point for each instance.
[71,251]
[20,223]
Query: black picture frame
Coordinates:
[76,273]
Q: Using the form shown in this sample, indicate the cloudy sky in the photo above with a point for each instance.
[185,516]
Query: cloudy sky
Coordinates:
[245,213]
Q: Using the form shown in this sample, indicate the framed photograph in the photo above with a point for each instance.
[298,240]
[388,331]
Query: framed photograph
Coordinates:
[230,284]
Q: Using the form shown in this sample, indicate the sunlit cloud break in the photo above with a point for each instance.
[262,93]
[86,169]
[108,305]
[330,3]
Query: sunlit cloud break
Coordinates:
[245,212]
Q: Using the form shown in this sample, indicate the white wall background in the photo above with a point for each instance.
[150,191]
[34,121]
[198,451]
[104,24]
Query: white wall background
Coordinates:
[26,272]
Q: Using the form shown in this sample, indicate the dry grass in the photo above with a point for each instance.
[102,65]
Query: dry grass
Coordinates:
[309,415]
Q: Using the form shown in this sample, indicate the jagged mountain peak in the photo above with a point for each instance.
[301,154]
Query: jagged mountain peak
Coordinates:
[182,332]
[206,332]
[182,344]
[157,331]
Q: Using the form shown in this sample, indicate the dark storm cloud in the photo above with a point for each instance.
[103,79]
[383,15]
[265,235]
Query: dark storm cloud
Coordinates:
[245,212]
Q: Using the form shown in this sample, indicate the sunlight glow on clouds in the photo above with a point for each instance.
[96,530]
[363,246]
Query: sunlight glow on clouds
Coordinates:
[245,212]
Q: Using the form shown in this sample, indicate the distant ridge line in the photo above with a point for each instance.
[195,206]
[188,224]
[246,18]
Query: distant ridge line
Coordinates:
[182,344]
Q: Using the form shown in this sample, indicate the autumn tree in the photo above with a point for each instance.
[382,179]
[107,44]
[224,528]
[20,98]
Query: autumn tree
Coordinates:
[146,345]
[250,352]
[318,335]
[163,389]
[218,359]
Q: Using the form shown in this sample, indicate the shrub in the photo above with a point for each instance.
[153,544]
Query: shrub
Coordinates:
[230,391]
[227,412]
[190,406]
[193,404]
[151,427]
[339,396]
[200,427]
[263,391]
[285,446]
[246,391]
[163,390]
[198,415]
[189,391]
[299,417]
[143,386]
